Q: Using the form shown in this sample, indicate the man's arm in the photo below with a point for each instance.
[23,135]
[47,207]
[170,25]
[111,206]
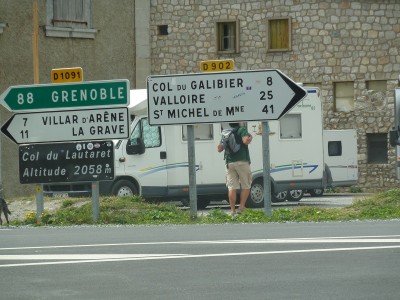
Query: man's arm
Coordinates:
[246,136]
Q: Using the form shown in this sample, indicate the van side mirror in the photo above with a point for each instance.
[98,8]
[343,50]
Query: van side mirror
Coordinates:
[394,137]
[135,146]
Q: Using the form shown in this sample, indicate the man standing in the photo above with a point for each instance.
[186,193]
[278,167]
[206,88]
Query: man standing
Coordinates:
[238,172]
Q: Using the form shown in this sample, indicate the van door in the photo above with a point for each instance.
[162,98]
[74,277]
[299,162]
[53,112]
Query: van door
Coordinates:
[341,156]
[148,168]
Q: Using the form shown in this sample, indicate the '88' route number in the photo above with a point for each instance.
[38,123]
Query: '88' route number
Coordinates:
[22,98]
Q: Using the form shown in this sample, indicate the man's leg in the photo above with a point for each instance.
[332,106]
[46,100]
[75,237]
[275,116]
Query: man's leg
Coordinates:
[244,194]
[232,182]
[244,173]
[232,200]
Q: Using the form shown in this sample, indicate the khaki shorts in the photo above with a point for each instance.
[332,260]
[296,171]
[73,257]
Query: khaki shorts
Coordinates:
[238,175]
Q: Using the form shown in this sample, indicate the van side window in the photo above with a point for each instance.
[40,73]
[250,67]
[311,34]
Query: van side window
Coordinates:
[151,135]
[201,132]
[290,126]
[335,148]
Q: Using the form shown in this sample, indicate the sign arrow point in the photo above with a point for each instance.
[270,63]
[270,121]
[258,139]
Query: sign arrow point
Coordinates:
[4,129]
[299,93]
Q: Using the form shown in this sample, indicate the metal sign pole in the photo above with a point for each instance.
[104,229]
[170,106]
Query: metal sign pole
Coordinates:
[35,52]
[39,202]
[397,127]
[192,172]
[266,169]
[95,201]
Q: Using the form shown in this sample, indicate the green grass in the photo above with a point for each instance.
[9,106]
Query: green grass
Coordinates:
[134,210]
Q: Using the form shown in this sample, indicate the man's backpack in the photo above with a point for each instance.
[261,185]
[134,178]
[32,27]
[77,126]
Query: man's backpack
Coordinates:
[229,140]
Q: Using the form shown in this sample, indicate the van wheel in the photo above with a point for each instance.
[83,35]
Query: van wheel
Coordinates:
[295,195]
[279,197]
[256,197]
[124,188]
[316,192]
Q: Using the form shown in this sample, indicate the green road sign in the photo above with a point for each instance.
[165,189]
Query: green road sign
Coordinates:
[88,94]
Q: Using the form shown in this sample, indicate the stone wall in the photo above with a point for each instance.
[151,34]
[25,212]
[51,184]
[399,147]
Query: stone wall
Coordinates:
[332,41]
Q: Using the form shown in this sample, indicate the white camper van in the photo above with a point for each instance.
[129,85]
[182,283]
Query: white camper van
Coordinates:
[154,161]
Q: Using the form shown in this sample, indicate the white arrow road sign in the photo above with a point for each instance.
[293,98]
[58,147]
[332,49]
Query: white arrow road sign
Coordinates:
[62,126]
[221,97]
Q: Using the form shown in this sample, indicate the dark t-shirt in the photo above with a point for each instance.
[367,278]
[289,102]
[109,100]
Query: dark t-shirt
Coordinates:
[243,153]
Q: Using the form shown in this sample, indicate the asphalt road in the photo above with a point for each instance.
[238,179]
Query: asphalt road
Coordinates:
[344,260]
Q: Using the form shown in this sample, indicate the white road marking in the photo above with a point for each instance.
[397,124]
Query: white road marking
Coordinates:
[56,259]
[349,239]
[77,256]
[175,256]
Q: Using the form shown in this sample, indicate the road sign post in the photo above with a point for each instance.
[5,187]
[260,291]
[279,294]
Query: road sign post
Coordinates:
[221,97]
[266,168]
[66,96]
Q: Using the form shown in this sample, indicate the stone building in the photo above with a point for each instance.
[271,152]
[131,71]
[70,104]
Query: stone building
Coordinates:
[349,49]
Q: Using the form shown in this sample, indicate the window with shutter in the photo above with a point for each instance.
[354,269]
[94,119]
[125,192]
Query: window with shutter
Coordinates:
[279,34]
[70,19]
[69,13]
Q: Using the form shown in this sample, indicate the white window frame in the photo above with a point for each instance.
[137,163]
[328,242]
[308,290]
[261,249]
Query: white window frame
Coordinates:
[70,28]
[376,85]
[232,37]
[344,96]
[2,26]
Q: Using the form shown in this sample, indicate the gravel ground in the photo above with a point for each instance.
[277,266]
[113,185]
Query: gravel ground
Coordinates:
[19,208]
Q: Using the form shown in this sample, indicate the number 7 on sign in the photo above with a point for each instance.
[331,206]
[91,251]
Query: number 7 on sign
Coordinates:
[24,133]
